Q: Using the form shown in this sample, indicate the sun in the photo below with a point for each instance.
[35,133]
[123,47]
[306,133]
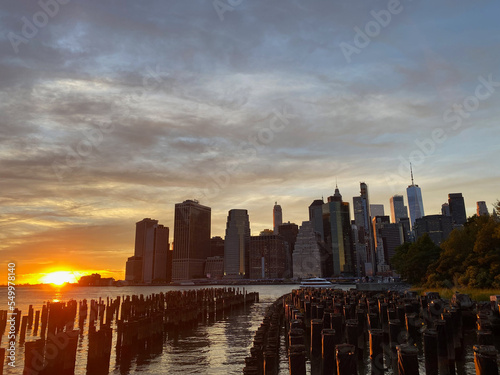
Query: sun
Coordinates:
[59,278]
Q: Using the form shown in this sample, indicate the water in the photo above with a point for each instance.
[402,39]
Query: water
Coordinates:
[217,348]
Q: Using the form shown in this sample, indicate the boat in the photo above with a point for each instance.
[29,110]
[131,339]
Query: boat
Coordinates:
[315,282]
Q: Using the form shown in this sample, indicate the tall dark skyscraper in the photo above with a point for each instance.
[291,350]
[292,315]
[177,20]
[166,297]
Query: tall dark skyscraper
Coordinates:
[362,220]
[337,227]
[316,217]
[277,217]
[191,239]
[289,233]
[236,244]
[151,260]
[415,203]
[457,208]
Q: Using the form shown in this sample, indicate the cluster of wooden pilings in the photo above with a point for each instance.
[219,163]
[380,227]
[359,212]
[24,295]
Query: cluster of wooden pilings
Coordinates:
[136,324]
[264,354]
[336,329]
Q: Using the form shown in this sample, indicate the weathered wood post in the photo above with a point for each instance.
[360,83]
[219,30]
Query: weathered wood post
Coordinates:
[346,359]
[407,359]
[328,351]
[431,352]
[377,351]
[485,360]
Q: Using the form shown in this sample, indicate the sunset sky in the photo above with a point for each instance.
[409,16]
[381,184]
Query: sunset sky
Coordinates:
[113,111]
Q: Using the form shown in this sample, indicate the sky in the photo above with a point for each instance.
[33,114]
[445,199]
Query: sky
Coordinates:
[113,111]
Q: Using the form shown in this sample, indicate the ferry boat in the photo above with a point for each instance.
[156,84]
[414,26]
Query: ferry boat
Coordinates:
[315,282]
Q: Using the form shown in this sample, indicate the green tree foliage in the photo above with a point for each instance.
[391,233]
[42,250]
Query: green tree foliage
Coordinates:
[412,260]
[470,256]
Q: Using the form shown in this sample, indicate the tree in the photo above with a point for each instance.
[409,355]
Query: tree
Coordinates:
[413,260]
[470,256]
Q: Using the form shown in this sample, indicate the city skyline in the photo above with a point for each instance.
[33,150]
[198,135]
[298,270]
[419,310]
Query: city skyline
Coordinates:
[113,114]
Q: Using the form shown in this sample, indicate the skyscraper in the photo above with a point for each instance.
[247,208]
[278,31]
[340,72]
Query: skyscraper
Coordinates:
[267,257]
[152,257]
[236,244]
[337,228]
[309,256]
[191,239]
[289,233]
[482,209]
[388,236]
[377,210]
[415,203]
[445,209]
[457,208]
[277,217]
[398,208]
[363,224]
[438,227]
[316,216]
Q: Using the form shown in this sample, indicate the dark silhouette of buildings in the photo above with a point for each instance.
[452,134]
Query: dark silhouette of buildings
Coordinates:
[192,224]
[457,208]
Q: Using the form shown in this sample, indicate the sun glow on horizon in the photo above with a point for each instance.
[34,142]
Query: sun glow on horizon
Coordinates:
[59,278]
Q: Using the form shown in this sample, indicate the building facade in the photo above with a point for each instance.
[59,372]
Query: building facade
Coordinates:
[267,257]
[398,208]
[337,231]
[457,208]
[289,233]
[192,224]
[482,208]
[438,227]
[236,244]
[415,202]
[277,217]
[310,256]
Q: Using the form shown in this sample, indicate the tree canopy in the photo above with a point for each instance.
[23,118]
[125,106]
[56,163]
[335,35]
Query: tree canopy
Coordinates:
[412,260]
[469,257]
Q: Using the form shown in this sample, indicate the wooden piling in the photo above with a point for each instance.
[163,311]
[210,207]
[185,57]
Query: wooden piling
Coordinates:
[407,359]
[485,360]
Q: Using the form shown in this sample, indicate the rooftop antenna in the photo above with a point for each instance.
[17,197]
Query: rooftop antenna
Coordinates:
[336,183]
[411,170]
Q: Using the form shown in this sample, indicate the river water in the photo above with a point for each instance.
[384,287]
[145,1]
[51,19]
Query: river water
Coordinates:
[219,347]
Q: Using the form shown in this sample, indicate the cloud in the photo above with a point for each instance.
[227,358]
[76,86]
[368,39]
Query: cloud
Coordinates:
[114,113]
